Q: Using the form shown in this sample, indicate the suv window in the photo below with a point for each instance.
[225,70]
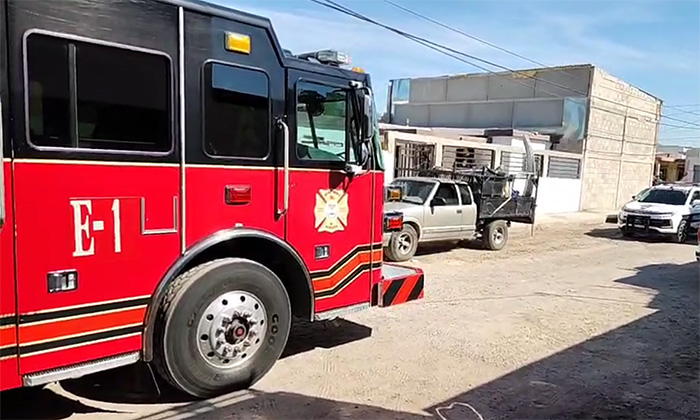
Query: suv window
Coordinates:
[84,95]
[449,193]
[665,196]
[464,194]
[696,196]
[323,124]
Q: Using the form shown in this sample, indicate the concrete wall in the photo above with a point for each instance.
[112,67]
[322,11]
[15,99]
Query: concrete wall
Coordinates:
[555,195]
[502,86]
[621,141]
[525,99]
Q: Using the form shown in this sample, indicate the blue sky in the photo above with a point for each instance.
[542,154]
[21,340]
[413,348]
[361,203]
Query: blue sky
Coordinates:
[652,44]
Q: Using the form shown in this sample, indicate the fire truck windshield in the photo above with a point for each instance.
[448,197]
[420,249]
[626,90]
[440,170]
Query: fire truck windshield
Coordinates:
[321,122]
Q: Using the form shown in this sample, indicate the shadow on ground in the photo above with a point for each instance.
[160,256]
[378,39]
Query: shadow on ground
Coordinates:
[614,233]
[40,404]
[138,384]
[430,248]
[645,369]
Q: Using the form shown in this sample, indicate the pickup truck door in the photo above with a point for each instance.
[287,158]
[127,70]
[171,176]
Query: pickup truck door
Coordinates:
[468,210]
[443,221]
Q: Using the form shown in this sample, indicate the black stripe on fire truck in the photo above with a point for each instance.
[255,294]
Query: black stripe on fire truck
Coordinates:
[79,340]
[8,320]
[347,280]
[8,351]
[83,310]
[336,266]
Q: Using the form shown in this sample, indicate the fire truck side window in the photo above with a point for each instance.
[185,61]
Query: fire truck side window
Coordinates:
[236,112]
[119,98]
[322,123]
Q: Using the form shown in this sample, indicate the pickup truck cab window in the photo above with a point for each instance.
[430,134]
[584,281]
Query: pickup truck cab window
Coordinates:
[464,194]
[448,193]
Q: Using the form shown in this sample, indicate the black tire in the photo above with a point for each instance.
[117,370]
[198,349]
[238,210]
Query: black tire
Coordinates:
[496,235]
[177,354]
[403,244]
[682,233]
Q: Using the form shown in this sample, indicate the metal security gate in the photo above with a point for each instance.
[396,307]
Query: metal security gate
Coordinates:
[412,157]
[466,157]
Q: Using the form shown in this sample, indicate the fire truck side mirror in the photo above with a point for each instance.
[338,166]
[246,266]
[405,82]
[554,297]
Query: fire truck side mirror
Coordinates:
[367,118]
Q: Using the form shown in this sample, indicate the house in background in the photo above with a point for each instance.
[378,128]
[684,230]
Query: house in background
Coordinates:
[581,108]
[677,164]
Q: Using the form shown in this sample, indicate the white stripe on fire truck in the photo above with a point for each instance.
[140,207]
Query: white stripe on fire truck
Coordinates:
[96,162]
[167,165]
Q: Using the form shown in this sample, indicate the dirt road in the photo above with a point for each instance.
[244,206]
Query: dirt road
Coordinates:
[574,322]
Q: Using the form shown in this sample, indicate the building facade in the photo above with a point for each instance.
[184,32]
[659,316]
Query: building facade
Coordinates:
[583,109]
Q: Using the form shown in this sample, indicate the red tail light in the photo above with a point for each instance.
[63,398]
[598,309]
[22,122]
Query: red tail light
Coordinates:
[393,222]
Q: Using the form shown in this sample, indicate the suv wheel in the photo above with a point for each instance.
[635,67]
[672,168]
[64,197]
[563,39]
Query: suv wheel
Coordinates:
[682,232]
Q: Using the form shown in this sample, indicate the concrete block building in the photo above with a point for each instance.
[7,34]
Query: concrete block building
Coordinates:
[583,109]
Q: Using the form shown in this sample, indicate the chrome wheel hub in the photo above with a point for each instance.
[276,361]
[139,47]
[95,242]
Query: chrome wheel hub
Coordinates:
[498,235]
[404,243]
[232,329]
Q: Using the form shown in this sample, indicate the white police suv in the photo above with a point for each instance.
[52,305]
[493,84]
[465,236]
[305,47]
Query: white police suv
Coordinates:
[661,210]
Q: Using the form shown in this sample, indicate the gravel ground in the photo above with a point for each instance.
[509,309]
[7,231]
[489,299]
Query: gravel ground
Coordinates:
[573,322]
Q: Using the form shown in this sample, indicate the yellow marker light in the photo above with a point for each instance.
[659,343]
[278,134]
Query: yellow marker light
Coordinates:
[358,69]
[394,193]
[237,43]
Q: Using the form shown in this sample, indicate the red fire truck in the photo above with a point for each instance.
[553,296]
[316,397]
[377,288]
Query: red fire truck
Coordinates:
[176,188]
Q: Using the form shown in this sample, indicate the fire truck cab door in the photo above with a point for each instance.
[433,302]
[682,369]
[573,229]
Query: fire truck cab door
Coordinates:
[329,219]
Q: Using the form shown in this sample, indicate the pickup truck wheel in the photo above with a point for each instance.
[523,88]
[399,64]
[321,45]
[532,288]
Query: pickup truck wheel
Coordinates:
[496,235]
[222,326]
[403,245]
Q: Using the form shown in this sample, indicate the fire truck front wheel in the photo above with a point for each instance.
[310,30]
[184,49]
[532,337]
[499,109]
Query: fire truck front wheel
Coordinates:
[221,327]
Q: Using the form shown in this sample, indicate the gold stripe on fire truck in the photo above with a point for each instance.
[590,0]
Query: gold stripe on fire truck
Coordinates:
[63,312]
[329,271]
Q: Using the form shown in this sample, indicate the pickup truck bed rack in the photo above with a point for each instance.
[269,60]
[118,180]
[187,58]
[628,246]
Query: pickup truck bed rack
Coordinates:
[494,192]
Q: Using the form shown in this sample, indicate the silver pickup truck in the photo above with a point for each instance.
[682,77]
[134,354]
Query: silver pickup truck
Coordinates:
[436,210]
[464,203]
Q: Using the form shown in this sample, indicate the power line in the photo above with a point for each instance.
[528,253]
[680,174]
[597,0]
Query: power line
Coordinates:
[683,111]
[439,47]
[475,38]
[684,106]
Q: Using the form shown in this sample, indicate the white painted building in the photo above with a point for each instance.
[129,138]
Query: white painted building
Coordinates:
[559,189]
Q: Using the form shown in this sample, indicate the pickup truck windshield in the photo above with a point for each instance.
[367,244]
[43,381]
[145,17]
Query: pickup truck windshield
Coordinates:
[416,192]
[664,196]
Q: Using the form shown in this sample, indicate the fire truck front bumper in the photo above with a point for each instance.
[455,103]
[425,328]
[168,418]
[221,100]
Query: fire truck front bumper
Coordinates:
[399,284]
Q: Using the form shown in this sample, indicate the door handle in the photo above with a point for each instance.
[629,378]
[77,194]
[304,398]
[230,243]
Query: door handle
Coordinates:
[285,202]
[459,211]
